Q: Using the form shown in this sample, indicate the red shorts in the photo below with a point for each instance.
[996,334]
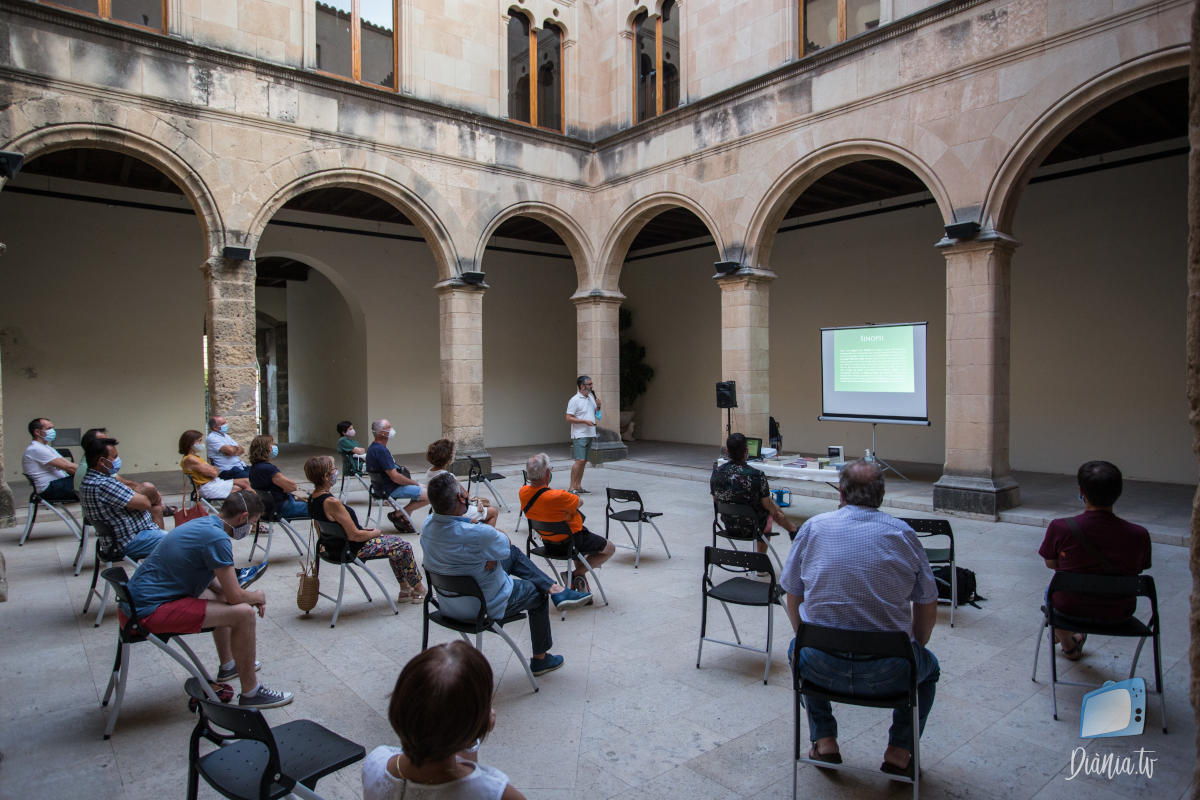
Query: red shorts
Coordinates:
[185,615]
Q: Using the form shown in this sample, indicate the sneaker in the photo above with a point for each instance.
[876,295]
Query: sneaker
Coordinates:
[539,666]
[569,598]
[248,575]
[267,698]
[229,674]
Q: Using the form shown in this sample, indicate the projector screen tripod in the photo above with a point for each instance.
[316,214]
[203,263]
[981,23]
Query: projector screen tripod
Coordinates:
[883,465]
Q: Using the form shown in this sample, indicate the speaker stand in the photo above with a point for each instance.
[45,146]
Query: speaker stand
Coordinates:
[885,465]
[728,422]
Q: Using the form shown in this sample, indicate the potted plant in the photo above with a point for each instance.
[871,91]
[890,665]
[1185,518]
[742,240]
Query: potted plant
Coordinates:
[636,374]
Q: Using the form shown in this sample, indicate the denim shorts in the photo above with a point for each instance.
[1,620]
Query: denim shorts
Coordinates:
[410,491]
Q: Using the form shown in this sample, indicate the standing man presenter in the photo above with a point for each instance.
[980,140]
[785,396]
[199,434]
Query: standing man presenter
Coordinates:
[583,411]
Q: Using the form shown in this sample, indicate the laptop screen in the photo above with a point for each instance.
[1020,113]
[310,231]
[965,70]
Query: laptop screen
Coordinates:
[753,447]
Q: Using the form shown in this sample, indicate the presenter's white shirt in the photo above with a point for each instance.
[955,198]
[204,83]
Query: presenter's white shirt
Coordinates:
[582,407]
[222,462]
[34,462]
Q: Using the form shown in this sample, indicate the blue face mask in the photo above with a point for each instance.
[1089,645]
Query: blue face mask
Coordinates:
[50,434]
[225,428]
[274,450]
[116,466]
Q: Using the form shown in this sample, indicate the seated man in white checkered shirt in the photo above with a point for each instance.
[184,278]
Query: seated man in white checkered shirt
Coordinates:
[860,569]
[106,499]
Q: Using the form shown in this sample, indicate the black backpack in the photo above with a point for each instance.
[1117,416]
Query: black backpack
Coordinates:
[967,594]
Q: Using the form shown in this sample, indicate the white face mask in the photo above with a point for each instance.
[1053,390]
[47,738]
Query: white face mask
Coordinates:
[240,531]
[334,477]
[391,432]
[198,447]
[351,433]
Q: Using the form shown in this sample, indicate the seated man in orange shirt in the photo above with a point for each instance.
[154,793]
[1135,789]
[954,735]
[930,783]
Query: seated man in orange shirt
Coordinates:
[544,504]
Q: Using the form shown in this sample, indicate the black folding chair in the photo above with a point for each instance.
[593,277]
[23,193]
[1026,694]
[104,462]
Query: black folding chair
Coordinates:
[353,466]
[929,529]
[273,516]
[380,494]
[741,591]
[726,525]
[862,644]
[1106,587]
[211,506]
[446,586]
[60,510]
[521,508]
[564,550]
[109,553]
[627,515]
[334,547]
[132,632]
[255,760]
[477,475]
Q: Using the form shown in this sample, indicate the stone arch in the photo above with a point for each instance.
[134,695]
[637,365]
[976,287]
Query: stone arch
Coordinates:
[82,135]
[768,215]
[557,220]
[407,201]
[606,275]
[329,273]
[1053,125]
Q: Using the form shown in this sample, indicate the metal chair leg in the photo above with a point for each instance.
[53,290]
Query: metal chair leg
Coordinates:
[341,587]
[770,628]
[660,537]
[30,517]
[1037,647]
[731,622]
[359,562]
[82,544]
[520,656]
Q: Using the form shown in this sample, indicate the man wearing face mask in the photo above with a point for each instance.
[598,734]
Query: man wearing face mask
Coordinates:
[379,459]
[224,452]
[188,583]
[157,508]
[46,467]
[108,500]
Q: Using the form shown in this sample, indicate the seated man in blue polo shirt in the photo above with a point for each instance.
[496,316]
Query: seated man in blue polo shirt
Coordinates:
[398,485]
[188,584]
[108,500]
[860,569]
[454,545]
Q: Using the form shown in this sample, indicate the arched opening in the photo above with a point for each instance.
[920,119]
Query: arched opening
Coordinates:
[672,308]
[352,278]
[856,246]
[102,303]
[529,342]
[1098,290]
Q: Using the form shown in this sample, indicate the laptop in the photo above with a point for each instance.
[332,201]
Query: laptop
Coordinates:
[753,448]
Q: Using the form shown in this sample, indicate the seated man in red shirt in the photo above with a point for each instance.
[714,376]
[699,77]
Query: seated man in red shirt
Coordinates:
[1098,542]
[544,504]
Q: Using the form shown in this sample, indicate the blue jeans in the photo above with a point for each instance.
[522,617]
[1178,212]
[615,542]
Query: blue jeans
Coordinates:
[881,676]
[60,490]
[234,472]
[144,543]
[294,509]
[529,595]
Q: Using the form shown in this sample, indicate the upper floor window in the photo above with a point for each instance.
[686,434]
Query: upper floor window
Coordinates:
[150,14]
[537,102]
[827,22]
[356,39]
[656,62]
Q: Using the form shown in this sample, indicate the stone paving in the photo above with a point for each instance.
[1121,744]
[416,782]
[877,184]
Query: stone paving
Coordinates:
[630,715]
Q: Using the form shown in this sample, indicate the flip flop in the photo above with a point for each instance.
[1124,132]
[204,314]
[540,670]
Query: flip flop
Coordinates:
[889,768]
[828,758]
[1076,652]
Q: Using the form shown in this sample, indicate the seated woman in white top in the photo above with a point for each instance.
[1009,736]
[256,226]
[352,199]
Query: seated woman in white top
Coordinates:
[440,455]
[441,709]
[202,473]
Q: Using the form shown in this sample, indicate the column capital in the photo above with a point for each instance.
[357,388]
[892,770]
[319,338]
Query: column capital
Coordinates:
[744,277]
[989,240]
[453,285]
[598,296]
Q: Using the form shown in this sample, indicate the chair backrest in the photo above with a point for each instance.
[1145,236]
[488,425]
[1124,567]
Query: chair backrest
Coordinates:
[446,586]
[32,489]
[381,484]
[622,496]
[107,546]
[1107,586]
[539,527]
[736,515]
[333,543]
[119,581]
[271,512]
[242,723]
[931,527]
[738,560]
[886,644]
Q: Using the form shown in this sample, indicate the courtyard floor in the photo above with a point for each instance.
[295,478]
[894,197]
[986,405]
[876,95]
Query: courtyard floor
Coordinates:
[629,715]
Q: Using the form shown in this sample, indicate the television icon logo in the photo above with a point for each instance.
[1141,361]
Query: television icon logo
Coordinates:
[1115,709]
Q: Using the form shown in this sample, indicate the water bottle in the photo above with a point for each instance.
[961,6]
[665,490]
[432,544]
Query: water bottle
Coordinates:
[869,457]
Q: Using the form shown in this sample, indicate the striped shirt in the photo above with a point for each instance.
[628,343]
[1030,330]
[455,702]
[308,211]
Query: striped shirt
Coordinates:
[858,569]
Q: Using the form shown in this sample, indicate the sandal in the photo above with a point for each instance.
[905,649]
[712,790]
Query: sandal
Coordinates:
[417,596]
[889,768]
[1075,653]
[828,758]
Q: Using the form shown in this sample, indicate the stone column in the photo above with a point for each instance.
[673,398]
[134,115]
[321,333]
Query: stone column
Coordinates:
[599,355]
[232,386]
[461,346]
[7,515]
[976,475]
[745,347]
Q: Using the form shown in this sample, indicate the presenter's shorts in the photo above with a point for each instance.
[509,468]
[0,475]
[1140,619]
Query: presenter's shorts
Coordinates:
[581,447]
